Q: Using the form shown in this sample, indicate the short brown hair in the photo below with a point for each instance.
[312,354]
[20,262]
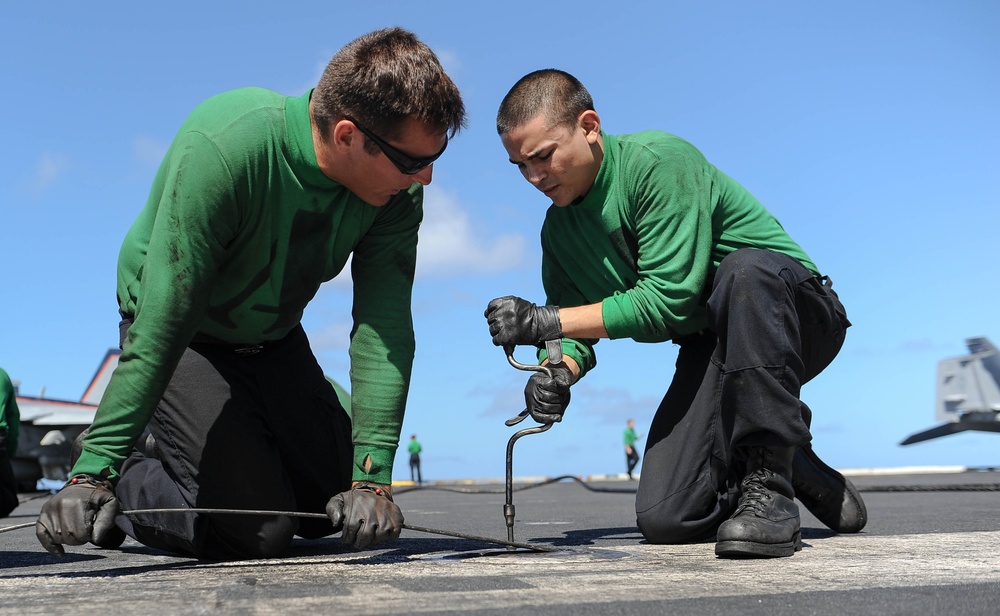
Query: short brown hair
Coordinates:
[551,91]
[384,78]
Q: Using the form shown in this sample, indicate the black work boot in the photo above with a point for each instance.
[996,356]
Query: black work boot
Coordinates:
[827,494]
[766,521]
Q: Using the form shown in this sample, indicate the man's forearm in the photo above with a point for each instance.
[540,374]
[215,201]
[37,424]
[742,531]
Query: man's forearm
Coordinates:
[583,322]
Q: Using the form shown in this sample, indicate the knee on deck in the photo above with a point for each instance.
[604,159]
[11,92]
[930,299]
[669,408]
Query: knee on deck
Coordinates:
[668,524]
[267,540]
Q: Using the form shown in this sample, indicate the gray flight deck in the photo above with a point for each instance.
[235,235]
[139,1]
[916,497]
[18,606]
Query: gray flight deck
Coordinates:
[932,546]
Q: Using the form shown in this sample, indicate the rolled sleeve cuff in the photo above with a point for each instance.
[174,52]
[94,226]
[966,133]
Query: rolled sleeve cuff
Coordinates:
[619,316]
[97,465]
[373,463]
[581,351]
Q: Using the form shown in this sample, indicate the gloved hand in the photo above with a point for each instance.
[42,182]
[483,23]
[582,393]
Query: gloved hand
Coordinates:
[545,397]
[513,321]
[367,514]
[83,510]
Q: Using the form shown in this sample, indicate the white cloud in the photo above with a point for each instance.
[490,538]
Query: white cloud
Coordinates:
[503,400]
[450,244]
[310,83]
[450,62]
[50,168]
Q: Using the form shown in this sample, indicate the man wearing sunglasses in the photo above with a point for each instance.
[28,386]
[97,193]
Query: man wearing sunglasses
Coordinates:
[9,435]
[260,199]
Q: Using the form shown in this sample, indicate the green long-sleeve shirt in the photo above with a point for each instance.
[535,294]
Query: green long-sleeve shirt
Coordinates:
[629,437]
[10,416]
[414,447]
[240,229]
[647,239]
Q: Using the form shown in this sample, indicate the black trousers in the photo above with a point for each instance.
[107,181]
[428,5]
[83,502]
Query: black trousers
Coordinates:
[415,468]
[631,459]
[773,326]
[8,483]
[260,432]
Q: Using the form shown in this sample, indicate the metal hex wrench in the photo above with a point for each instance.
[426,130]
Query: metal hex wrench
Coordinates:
[554,350]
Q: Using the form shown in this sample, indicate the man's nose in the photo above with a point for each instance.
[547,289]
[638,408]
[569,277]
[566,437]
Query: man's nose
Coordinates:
[424,176]
[536,174]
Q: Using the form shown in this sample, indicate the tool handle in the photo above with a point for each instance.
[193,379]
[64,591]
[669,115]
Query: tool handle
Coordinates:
[509,350]
[516,419]
[554,350]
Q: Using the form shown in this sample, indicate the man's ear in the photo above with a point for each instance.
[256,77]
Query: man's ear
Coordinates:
[344,133]
[590,123]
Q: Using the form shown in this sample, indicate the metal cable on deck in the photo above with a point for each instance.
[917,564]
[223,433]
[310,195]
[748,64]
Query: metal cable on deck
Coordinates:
[967,487]
[305,514]
[961,487]
[544,482]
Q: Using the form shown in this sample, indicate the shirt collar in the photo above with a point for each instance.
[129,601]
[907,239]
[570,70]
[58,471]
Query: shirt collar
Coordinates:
[300,142]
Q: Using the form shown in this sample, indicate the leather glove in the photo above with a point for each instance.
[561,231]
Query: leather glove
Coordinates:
[367,514]
[83,510]
[514,321]
[545,397]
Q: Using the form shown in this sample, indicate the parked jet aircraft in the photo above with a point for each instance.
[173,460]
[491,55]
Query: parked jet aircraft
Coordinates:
[968,393]
[48,427]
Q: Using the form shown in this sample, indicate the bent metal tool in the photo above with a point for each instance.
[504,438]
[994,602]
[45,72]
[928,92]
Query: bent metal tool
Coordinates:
[554,350]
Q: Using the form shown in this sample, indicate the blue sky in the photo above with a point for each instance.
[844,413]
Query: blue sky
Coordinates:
[870,130]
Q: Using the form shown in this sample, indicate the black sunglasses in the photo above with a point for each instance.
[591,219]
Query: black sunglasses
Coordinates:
[407,164]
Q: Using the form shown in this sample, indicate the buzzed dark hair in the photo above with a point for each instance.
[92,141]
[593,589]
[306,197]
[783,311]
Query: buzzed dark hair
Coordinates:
[557,94]
[384,78]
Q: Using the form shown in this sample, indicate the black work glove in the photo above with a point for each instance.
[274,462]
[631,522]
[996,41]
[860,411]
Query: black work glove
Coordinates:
[513,321]
[545,397]
[83,510]
[367,514]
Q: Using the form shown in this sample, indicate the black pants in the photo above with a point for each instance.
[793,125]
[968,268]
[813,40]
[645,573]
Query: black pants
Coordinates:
[631,459]
[8,483]
[415,468]
[261,432]
[773,326]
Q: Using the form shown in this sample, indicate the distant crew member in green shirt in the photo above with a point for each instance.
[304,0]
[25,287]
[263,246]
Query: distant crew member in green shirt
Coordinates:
[10,418]
[260,199]
[414,448]
[645,239]
[631,453]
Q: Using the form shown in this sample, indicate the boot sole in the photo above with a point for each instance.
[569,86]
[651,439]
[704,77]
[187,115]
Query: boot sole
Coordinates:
[752,549]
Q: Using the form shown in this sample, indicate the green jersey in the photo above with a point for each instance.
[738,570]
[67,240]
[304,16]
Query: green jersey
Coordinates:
[647,239]
[630,437]
[238,233]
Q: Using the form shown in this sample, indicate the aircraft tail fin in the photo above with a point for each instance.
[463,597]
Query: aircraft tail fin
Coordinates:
[979,345]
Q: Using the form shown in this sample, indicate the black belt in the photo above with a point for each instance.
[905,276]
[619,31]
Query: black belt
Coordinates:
[243,349]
